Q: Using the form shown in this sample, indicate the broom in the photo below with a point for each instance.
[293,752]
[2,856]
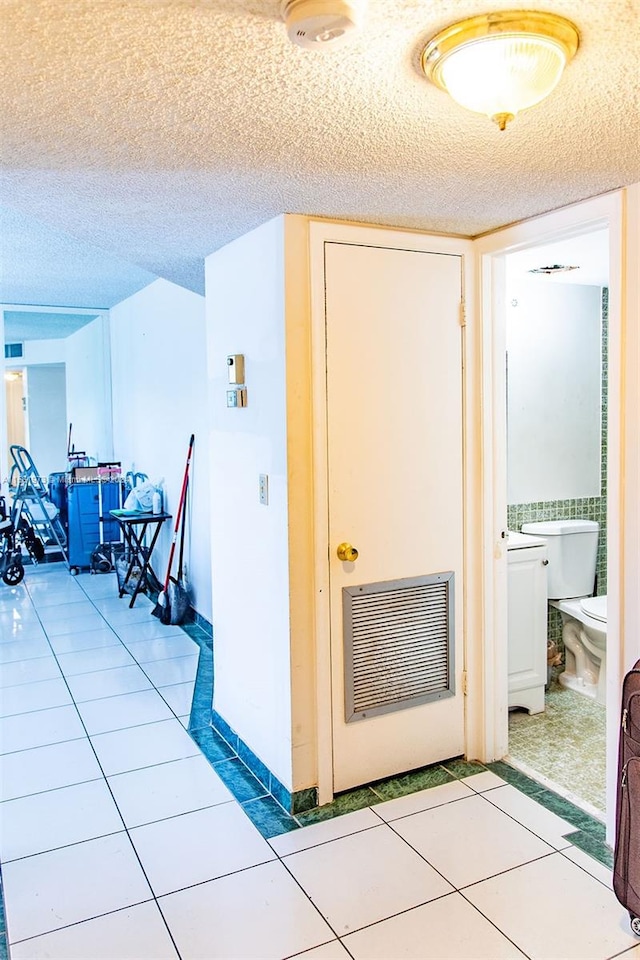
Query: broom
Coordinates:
[178,589]
[162,609]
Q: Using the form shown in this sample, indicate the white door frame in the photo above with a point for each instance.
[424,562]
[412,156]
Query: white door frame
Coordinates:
[489,686]
[321,232]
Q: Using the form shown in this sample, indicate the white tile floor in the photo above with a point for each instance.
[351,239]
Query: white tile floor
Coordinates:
[118,840]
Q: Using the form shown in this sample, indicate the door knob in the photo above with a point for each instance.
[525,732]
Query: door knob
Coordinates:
[347,553]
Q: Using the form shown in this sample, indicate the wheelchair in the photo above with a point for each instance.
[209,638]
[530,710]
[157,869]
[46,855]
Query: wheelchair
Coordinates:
[12,539]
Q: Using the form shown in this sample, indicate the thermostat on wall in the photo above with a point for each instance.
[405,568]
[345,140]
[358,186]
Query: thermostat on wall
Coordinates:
[235,368]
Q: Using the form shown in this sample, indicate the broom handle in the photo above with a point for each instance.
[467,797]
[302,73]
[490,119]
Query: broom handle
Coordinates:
[184,518]
[179,513]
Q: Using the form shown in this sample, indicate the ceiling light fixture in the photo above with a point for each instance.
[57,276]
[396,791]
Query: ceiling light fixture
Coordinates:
[501,63]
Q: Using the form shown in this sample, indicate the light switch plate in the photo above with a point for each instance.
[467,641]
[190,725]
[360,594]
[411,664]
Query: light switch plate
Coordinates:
[237,397]
[263,487]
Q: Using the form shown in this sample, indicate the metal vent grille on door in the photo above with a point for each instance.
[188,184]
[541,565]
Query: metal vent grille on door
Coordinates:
[398,644]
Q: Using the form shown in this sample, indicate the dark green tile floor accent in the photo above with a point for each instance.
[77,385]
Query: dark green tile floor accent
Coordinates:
[269,817]
[239,779]
[391,788]
[346,802]
[589,834]
[412,782]
[211,744]
[4,947]
[304,800]
[597,849]
[203,688]
[463,768]
[272,819]
[267,814]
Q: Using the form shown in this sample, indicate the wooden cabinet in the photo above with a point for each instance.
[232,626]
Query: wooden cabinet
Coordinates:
[527,621]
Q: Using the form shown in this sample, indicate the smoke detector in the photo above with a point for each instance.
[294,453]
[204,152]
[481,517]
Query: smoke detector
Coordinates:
[319,24]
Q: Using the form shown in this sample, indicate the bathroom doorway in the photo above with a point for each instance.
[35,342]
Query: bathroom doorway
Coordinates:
[556,315]
[36,414]
[15,393]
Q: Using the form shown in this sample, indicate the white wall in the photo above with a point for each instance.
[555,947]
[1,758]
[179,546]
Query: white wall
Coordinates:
[47,417]
[36,353]
[159,385]
[250,575]
[89,389]
[41,351]
[630,362]
[554,390]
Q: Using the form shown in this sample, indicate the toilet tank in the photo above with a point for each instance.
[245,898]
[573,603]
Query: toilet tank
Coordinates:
[572,547]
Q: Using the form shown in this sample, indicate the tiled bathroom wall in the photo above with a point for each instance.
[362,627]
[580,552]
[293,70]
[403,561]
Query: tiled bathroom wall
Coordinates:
[587,508]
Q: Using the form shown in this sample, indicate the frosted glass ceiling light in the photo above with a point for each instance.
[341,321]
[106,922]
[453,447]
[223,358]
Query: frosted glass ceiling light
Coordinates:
[501,63]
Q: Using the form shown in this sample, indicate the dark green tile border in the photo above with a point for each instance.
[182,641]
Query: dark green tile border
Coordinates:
[239,779]
[411,782]
[460,768]
[4,942]
[269,817]
[250,782]
[589,835]
[291,802]
[275,811]
[342,803]
[303,800]
[597,849]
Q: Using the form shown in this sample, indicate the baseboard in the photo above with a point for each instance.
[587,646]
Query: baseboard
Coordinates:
[194,617]
[296,802]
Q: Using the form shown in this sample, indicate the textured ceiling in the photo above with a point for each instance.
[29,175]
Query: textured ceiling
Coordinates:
[155,131]
[47,267]
[20,325]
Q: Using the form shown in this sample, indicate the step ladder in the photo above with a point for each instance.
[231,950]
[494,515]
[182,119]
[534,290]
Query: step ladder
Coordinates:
[33,511]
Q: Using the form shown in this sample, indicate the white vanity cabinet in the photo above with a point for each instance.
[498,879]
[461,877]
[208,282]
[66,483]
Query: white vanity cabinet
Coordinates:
[527,621]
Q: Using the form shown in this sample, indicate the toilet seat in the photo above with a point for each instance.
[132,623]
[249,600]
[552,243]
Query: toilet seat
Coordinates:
[595,607]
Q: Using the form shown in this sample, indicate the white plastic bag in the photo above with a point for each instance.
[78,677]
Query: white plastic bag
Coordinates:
[144,495]
[141,497]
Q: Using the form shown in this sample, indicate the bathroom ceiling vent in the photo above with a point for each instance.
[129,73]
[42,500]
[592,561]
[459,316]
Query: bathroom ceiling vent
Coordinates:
[13,350]
[556,268]
[398,644]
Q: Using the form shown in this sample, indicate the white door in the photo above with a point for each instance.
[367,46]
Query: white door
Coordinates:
[394,399]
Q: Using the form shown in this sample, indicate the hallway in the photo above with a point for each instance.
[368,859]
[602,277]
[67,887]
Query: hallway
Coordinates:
[123,836]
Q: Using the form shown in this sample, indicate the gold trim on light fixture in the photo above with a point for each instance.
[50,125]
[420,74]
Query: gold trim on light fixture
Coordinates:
[522,52]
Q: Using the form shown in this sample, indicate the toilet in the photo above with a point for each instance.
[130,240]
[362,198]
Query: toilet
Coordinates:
[572,547]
